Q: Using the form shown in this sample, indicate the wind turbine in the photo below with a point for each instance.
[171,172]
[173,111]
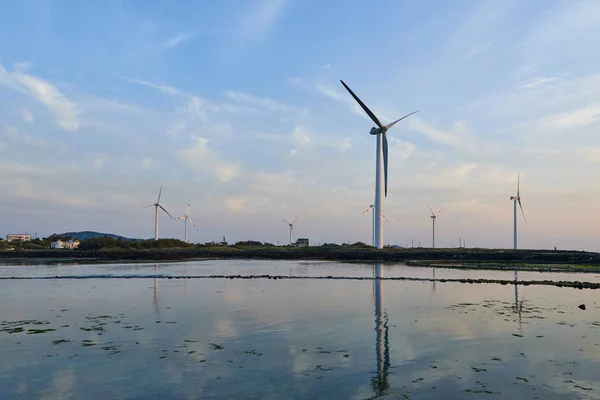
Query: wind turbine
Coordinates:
[291,224]
[156,206]
[433,217]
[186,217]
[373,229]
[382,149]
[517,199]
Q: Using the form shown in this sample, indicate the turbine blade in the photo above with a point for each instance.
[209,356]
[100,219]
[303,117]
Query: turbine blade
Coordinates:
[193,224]
[159,193]
[432,213]
[398,120]
[295,219]
[385,162]
[522,212]
[151,205]
[367,210]
[166,211]
[518,183]
[364,107]
[286,221]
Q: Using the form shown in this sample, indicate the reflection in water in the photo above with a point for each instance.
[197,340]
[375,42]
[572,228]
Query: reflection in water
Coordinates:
[518,306]
[156,308]
[380,381]
[433,288]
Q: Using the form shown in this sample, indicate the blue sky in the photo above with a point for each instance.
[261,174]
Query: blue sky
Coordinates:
[238,106]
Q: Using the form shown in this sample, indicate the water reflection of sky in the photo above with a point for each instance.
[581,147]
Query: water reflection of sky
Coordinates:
[300,339]
[273,267]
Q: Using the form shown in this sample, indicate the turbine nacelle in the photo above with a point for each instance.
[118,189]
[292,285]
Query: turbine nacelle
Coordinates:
[375,131]
[515,198]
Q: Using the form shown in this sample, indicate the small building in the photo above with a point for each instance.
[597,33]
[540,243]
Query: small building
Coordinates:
[302,242]
[18,237]
[64,244]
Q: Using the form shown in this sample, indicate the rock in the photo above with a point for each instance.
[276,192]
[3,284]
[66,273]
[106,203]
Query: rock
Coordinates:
[582,306]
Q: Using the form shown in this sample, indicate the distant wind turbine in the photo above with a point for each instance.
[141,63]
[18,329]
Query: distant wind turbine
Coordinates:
[382,149]
[433,217]
[517,199]
[187,217]
[157,206]
[291,224]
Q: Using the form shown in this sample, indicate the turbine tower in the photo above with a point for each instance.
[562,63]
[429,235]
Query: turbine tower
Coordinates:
[517,199]
[433,217]
[187,217]
[157,206]
[291,224]
[382,152]
[373,228]
[372,225]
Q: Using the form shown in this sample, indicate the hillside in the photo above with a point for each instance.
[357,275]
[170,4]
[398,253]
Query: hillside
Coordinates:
[92,235]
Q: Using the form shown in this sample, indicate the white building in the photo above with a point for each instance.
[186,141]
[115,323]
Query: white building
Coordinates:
[18,237]
[64,244]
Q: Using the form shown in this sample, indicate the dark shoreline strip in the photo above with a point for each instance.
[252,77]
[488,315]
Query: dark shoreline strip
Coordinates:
[572,284]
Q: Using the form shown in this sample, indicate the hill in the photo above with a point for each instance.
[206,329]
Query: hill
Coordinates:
[92,235]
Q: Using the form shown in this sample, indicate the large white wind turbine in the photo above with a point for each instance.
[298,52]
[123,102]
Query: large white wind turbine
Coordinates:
[187,217]
[372,206]
[156,206]
[517,199]
[382,149]
[372,225]
[433,217]
[291,224]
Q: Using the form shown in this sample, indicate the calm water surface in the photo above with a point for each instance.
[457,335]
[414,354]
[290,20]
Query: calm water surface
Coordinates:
[160,338]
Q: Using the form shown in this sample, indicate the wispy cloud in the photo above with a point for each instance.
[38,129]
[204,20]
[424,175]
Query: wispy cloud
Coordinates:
[163,88]
[202,159]
[177,40]
[573,119]
[479,49]
[64,110]
[264,103]
[537,82]
[261,16]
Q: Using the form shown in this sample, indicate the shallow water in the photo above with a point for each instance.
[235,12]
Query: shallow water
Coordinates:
[147,337]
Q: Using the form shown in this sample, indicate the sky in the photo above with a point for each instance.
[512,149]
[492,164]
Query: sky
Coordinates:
[238,106]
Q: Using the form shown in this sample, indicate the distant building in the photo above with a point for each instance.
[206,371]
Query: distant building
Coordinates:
[302,242]
[18,237]
[64,244]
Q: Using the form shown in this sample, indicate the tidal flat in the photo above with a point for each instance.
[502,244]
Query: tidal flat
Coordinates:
[159,330]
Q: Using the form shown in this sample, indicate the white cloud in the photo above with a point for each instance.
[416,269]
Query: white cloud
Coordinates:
[176,40]
[400,148]
[235,203]
[15,136]
[260,18]
[146,162]
[537,82]
[301,136]
[22,66]
[176,129]
[202,159]
[63,109]
[27,116]
[433,133]
[260,102]
[163,88]
[573,119]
